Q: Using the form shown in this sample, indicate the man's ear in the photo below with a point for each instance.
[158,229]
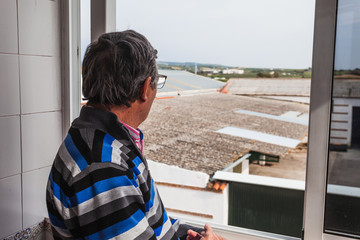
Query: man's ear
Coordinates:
[145,89]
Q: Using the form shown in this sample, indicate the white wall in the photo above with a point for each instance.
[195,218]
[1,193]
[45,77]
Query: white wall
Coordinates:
[173,174]
[185,191]
[30,108]
[197,203]
[341,120]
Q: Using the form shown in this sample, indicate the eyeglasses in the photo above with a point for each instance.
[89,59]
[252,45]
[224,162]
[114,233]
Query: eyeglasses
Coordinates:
[161,81]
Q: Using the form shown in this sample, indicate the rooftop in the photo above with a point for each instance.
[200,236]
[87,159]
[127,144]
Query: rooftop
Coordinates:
[181,131]
[269,86]
[182,82]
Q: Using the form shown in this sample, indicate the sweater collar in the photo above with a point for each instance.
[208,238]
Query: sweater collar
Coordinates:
[106,121]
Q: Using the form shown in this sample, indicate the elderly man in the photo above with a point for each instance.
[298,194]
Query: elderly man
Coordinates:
[100,186]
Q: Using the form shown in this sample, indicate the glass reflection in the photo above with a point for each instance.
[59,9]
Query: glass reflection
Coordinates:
[342,211]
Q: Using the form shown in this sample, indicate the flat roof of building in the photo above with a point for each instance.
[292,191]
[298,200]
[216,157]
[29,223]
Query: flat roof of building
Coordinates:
[181,131]
[269,86]
[180,82]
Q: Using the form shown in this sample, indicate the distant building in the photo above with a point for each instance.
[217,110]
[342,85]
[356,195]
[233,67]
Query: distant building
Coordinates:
[345,123]
[233,71]
[209,70]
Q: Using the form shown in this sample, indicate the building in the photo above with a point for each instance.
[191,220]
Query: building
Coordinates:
[209,70]
[192,155]
[345,126]
[233,71]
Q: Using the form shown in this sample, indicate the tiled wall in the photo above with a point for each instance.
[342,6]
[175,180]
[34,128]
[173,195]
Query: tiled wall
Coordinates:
[30,108]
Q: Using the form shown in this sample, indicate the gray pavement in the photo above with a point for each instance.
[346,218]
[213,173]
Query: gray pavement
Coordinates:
[344,168]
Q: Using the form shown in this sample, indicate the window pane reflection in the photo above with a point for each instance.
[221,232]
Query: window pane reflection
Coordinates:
[342,211]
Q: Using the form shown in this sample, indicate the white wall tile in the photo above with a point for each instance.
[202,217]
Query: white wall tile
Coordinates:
[41,138]
[34,196]
[39,27]
[10,205]
[9,84]
[40,82]
[8,27]
[10,157]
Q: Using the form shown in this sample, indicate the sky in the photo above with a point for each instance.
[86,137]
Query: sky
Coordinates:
[347,47]
[239,33]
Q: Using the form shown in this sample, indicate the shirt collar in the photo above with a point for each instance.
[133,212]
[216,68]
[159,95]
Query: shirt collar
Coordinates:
[136,134]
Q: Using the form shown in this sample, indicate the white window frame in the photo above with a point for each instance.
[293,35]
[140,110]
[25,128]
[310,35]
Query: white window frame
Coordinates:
[70,61]
[320,109]
[319,128]
[71,55]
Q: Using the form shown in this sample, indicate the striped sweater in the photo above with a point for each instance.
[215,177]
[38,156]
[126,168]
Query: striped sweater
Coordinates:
[100,186]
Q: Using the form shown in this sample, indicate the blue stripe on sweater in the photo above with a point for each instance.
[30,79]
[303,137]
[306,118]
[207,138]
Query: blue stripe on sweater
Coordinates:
[58,193]
[158,230]
[150,203]
[74,152]
[107,148]
[56,222]
[100,187]
[137,161]
[90,192]
[119,228]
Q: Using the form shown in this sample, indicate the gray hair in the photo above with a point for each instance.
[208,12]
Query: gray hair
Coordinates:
[116,66]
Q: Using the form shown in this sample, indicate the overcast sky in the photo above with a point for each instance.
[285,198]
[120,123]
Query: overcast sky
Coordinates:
[245,33]
[347,47]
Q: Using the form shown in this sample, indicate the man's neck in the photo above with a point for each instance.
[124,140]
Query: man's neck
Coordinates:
[128,115]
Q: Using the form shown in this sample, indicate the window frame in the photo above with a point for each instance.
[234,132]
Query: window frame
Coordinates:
[320,119]
[70,62]
[320,111]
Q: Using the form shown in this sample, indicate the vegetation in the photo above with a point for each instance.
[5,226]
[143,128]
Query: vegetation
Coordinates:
[215,71]
[347,74]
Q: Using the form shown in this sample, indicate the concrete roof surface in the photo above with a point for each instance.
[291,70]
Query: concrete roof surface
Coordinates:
[182,82]
[269,86]
[180,131]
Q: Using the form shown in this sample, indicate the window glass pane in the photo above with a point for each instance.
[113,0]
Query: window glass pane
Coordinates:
[238,83]
[85,32]
[342,211]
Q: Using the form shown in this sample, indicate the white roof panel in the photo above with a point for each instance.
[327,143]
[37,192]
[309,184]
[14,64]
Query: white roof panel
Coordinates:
[291,116]
[259,136]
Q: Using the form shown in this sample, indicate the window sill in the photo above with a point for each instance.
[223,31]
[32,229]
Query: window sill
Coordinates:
[236,233]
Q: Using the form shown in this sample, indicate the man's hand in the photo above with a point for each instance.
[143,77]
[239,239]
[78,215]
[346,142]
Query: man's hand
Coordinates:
[207,234]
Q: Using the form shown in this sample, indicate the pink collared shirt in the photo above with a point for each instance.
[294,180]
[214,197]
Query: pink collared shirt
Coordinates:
[137,135]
